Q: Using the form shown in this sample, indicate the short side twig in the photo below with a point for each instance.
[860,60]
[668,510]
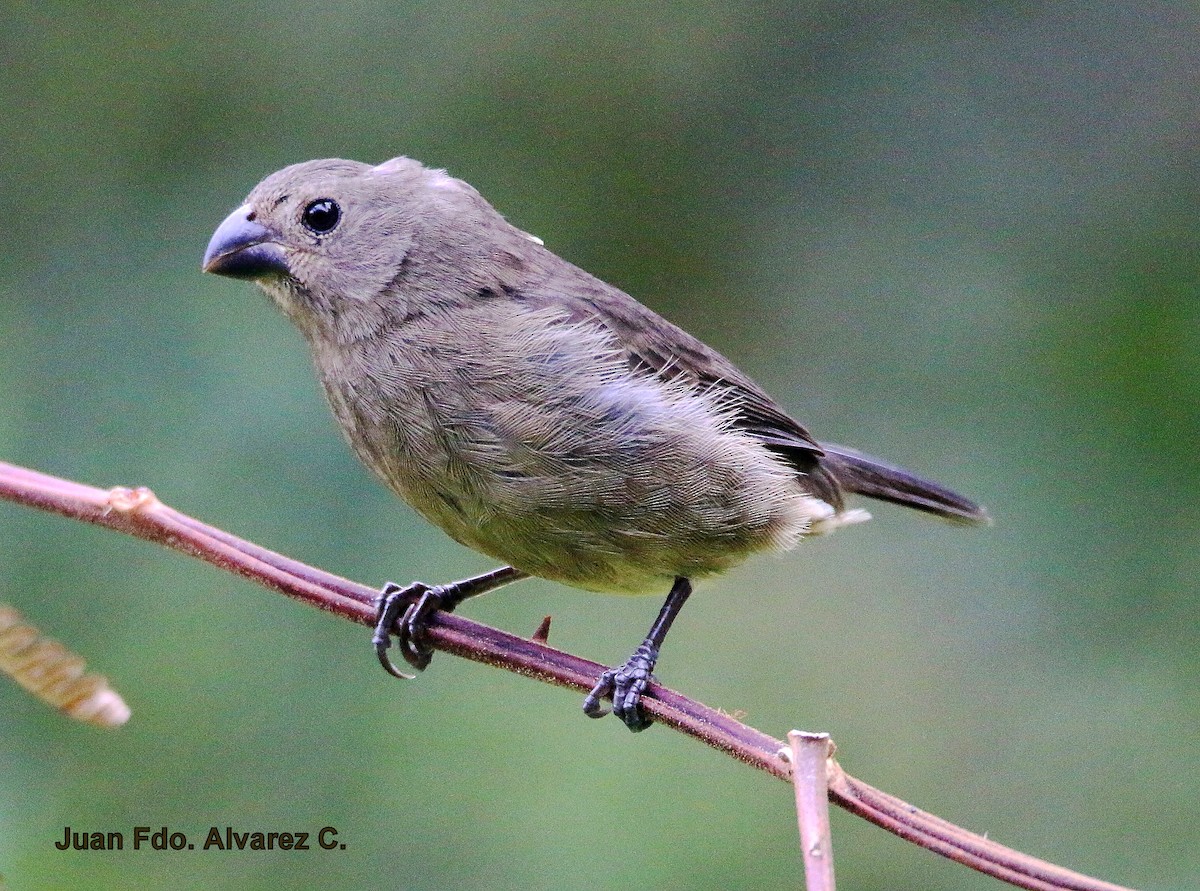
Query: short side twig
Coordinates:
[811,755]
[137,512]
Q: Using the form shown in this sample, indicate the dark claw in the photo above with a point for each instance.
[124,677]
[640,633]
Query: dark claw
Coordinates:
[591,702]
[414,642]
[626,684]
[389,603]
[418,602]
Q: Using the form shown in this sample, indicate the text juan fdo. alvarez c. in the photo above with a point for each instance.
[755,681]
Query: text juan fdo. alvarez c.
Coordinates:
[215,838]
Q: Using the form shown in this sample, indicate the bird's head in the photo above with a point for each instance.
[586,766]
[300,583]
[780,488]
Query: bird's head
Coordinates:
[331,240]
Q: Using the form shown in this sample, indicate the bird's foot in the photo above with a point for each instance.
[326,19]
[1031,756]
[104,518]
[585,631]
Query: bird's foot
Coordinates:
[626,684]
[414,605]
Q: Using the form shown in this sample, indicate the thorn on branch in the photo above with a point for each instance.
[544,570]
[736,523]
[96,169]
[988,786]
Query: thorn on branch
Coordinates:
[124,500]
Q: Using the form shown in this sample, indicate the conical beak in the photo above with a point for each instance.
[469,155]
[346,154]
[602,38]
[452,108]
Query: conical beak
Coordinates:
[241,248]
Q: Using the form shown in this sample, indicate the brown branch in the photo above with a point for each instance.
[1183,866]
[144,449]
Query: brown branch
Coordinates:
[137,512]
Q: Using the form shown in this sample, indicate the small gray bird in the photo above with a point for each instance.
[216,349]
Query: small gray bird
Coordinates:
[533,412]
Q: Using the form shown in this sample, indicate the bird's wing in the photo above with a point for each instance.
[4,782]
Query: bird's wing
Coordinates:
[660,348]
[668,351]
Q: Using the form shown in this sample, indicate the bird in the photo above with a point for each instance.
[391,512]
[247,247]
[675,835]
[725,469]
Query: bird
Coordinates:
[532,411]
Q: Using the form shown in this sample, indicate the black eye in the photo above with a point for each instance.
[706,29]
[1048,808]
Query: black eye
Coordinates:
[321,216]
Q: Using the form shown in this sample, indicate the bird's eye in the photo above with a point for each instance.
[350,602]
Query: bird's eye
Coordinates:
[321,216]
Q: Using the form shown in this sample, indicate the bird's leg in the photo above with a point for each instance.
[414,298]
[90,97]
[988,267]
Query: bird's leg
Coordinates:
[627,683]
[414,604]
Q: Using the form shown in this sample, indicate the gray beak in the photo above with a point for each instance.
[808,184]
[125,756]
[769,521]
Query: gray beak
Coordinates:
[241,248]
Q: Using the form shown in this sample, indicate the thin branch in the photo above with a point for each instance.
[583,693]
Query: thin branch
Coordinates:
[139,513]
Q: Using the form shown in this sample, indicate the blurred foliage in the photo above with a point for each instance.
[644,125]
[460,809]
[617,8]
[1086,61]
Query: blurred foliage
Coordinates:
[959,235]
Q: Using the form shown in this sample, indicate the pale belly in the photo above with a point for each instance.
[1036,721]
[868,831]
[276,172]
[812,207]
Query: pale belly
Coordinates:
[568,466]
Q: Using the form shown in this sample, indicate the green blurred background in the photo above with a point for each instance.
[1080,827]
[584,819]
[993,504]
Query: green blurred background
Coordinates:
[958,235]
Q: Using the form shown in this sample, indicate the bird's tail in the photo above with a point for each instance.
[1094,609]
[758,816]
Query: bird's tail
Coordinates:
[864,475]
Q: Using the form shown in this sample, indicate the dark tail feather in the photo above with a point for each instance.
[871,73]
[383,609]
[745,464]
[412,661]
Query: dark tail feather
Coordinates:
[869,476]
